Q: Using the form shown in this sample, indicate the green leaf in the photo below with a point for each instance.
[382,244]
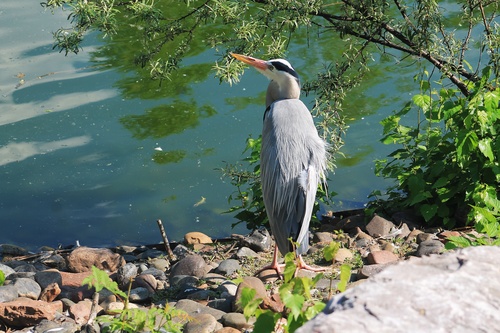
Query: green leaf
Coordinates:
[428,211]
[249,302]
[345,275]
[290,267]
[294,302]
[485,148]
[422,101]
[266,322]
[2,278]
[330,251]
[457,241]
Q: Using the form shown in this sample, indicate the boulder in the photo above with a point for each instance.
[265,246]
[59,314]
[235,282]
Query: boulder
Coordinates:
[453,292]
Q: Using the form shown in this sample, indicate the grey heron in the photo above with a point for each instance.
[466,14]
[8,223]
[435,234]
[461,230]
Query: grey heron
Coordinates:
[293,159]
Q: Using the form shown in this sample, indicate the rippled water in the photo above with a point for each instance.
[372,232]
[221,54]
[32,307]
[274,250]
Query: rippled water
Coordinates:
[92,153]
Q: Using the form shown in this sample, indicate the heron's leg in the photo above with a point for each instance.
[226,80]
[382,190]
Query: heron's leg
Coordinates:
[302,265]
[274,264]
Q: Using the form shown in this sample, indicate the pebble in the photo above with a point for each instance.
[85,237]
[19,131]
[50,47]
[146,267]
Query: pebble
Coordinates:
[201,323]
[429,247]
[246,252]
[192,264]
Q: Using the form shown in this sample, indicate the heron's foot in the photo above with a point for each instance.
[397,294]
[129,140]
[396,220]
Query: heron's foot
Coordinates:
[302,265]
[273,266]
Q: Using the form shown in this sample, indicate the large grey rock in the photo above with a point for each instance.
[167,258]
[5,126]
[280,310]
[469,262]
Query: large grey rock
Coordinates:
[452,292]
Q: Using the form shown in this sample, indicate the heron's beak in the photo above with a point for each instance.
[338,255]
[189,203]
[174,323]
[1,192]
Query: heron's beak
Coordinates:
[254,62]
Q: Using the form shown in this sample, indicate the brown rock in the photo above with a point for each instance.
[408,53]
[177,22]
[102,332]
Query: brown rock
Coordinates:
[268,275]
[201,323]
[83,258]
[448,233]
[24,312]
[349,224]
[81,311]
[360,234]
[424,236]
[378,227]
[322,237]
[252,283]
[381,257]
[73,279]
[228,330]
[193,265]
[50,292]
[343,254]
[413,235]
[196,237]
[404,231]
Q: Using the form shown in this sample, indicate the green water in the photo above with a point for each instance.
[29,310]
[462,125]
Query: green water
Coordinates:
[90,150]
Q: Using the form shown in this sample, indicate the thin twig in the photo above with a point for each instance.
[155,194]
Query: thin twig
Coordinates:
[171,255]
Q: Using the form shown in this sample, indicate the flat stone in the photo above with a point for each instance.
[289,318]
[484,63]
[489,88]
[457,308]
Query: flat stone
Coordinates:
[429,247]
[228,267]
[245,252]
[8,293]
[27,288]
[236,320]
[191,308]
[196,237]
[24,312]
[322,237]
[343,254]
[201,323]
[381,257]
[83,258]
[139,295]
[13,250]
[73,279]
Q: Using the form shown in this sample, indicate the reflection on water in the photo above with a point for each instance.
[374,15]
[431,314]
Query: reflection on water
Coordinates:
[91,150]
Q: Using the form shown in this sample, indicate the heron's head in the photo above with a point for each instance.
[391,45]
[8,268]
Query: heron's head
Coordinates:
[278,70]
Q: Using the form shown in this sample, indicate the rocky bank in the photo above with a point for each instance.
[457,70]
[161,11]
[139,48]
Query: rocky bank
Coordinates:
[204,278]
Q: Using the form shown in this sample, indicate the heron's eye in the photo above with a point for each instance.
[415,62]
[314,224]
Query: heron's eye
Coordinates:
[270,67]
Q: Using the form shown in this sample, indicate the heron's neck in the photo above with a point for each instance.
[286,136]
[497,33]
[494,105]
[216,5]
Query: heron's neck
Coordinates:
[287,89]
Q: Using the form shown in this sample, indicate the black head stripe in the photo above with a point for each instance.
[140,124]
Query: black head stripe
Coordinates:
[282,67]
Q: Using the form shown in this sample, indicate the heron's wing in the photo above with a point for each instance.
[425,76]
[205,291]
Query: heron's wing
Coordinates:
[293,159]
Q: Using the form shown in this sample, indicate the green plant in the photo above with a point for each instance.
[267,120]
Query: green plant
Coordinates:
[2,278]
[153,320]
[248,195]
[447,166]
[295,292]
